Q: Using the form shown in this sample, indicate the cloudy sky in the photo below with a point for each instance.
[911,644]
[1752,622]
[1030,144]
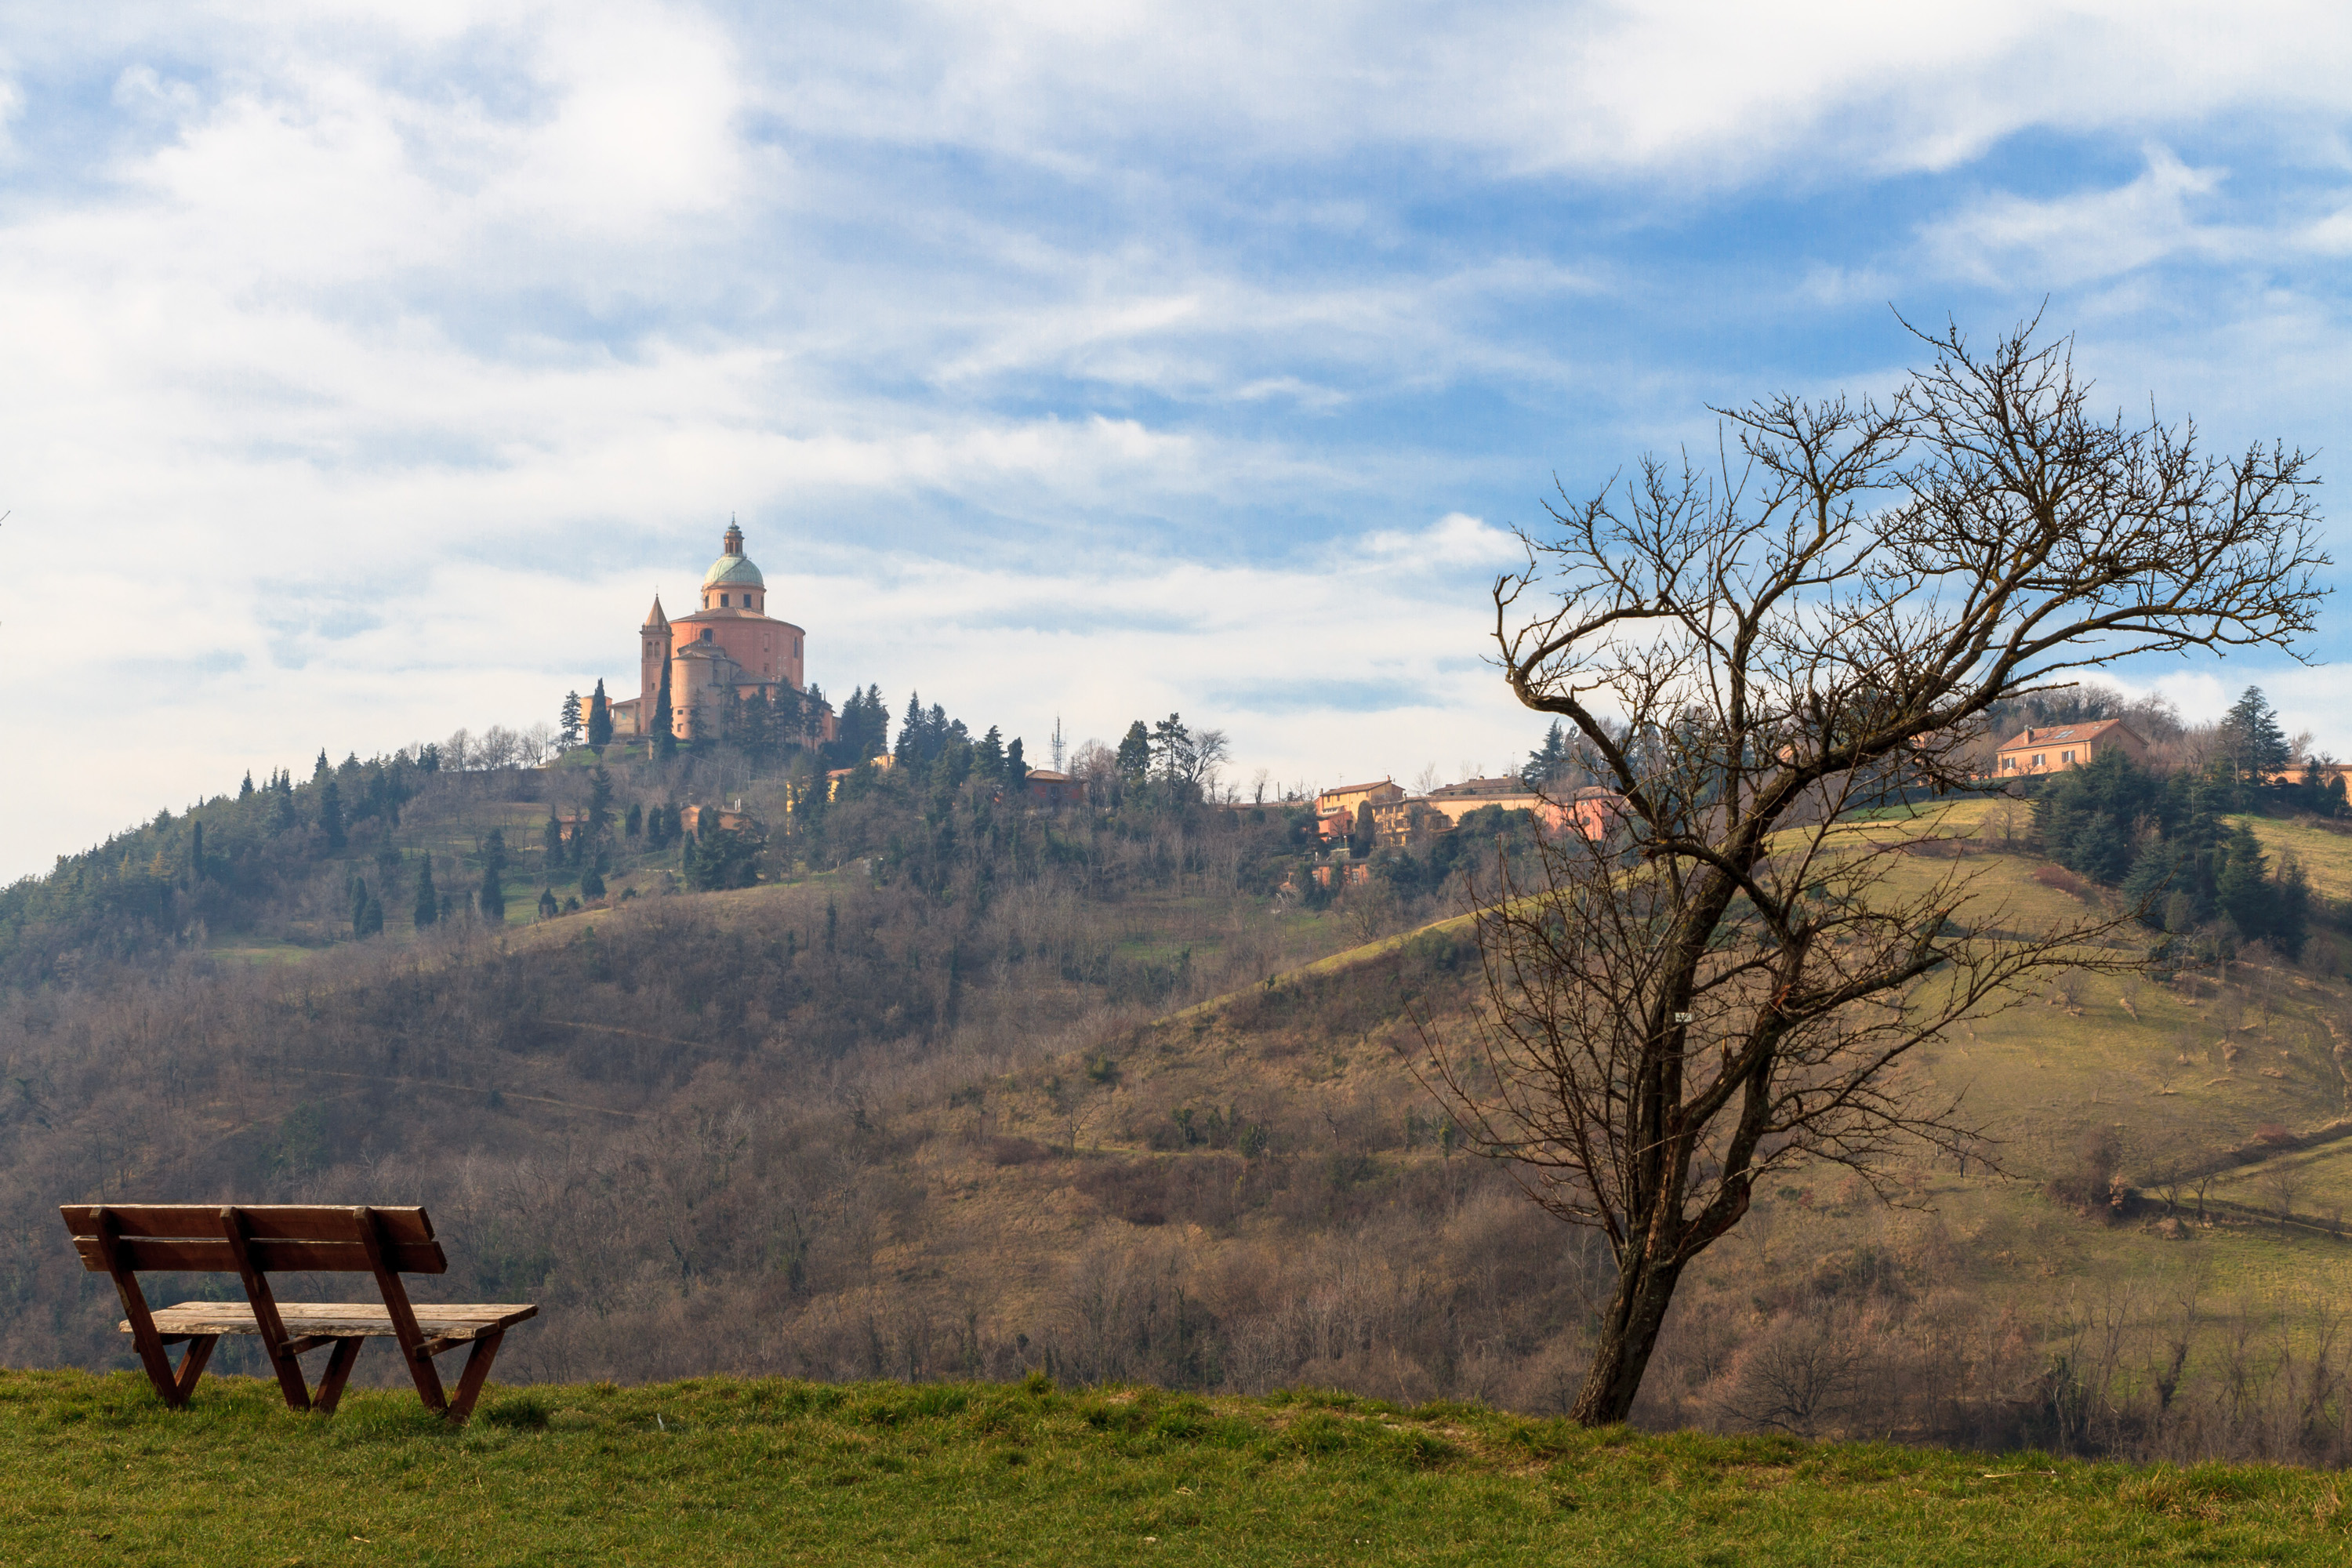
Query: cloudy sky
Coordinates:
[373,365]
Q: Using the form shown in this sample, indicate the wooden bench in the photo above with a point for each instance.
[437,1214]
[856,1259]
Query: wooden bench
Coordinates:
[254,1242]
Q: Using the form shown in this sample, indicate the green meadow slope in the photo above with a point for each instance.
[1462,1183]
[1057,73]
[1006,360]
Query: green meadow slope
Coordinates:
[722,1470]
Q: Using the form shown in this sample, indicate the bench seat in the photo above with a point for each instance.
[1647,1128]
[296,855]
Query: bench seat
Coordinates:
[335,1320]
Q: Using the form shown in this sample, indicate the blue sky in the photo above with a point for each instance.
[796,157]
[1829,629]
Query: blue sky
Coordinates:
[375,364]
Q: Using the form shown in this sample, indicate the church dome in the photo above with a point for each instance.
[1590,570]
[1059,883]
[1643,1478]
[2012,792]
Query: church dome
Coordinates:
[733,572]
[733,569]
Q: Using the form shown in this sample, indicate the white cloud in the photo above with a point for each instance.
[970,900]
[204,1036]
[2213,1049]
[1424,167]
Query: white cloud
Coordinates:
[2013,241]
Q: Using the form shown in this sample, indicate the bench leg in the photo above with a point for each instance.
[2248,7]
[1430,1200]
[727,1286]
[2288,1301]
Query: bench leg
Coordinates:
[476,1373]
[192,1367]
[339,1361]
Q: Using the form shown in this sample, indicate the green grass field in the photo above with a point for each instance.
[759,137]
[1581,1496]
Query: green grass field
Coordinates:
[724,1471]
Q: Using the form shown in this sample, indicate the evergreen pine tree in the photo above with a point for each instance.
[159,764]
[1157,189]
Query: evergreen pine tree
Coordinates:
[330,811]
[1549,761]
[567,726]
[910,730]
[2150,883]
[2100,851]
[281,808]
[2256,742]
[428,902]
[2291,908]
[492,899]
[2241,891]
[246,792]
[1134,757]
[592,884]
[599,719]
[988,756]
[321,770]
[195,853]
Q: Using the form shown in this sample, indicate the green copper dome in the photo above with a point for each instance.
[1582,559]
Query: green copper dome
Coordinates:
[733,572]
[733,569]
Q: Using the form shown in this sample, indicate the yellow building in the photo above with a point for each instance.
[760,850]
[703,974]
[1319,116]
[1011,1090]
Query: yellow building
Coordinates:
[2054,747]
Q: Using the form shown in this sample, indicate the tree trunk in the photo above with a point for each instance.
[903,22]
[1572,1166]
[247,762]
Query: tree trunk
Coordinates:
[1628,1334]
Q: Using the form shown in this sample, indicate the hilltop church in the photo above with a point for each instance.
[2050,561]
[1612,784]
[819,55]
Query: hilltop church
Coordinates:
[727,650]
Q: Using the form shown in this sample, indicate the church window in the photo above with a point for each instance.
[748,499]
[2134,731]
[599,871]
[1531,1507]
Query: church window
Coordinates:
[722,601]
[706,634]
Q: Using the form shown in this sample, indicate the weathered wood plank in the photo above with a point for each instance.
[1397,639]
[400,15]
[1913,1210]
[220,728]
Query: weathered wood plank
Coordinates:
[149,1255]
[455,1321]
[264,1222]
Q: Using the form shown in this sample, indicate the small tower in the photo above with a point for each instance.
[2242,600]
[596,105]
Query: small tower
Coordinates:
[652,654]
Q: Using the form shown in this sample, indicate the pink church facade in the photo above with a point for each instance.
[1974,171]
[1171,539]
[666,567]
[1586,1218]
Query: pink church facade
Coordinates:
[726,651]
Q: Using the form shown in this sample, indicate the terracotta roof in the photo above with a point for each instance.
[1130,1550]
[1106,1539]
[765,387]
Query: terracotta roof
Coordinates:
[1506,784]
[655,618]
[1354,789]
[1048,775]
[2067,734]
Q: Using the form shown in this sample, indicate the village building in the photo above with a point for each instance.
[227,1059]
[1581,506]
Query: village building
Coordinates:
[726,650]
[1335,808]
[2054,747]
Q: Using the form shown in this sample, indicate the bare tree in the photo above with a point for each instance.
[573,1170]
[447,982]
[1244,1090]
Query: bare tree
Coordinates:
[2281,1182]
[1737,976]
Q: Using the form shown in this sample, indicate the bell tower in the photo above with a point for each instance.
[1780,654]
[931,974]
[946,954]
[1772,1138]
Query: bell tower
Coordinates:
[653,657]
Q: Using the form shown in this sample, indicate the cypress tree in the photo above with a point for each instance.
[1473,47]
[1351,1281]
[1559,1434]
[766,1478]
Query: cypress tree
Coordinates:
[547,906]
[600,808]
[428,902]
[633,823]
[664,723]
[551,837]
[371,917]
[330,811]
[358,893]
[492,899]
[600,717]
[592,884]
[1016,766]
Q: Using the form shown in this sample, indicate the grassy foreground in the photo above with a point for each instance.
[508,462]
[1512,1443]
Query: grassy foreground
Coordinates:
[92,1469]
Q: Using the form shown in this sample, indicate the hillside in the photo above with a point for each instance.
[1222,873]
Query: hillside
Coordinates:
[1079,1094]
[726,1471]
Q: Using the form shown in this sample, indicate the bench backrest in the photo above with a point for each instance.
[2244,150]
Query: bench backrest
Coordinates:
[277,1238]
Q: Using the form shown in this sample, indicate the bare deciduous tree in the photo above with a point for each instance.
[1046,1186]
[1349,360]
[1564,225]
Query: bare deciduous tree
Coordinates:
[1736,977]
